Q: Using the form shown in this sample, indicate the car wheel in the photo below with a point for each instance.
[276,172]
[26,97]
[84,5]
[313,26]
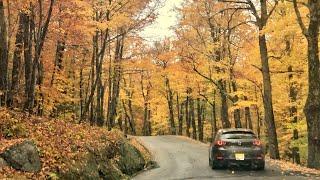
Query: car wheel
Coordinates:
[260,168]
[214,165]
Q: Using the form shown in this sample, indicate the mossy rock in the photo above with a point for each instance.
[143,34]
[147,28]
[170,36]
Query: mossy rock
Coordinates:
[111,171]
[23,156]
[3,163]
[109,163]
[93,171]
[95,165]
[131,160]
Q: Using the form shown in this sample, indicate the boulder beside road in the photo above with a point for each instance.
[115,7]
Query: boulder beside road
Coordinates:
[23,156]
[3,163]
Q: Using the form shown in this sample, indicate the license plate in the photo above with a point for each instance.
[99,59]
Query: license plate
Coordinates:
[239,156]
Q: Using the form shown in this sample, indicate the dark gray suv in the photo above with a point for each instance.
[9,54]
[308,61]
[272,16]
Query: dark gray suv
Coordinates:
[236,147]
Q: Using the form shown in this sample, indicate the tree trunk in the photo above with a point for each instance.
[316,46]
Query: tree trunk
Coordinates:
[146,104]
[94,82]
[3,55]
[259,119]
[17,57]
[237,112]
[31,92]
[36,69]
[100,94]
[312,106]
[199,116]
[145,120]
[169,97]
[193,120]
[128,118]
[40,100]
[115,83]
[248,115]
[267,89]
[27,41]
[224,106]
[267,100]
[128,103]
[112,108]
[180,115]
[149,121]
[58,66]
[213,118]
[132,121]
[101,87]
[187,112]
[125,119]
[200,113]
[293,114]
[100,104]
[110,79]
[81,89]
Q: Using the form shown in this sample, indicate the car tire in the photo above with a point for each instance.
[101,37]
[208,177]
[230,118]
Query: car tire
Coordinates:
[214,165]
[260,167]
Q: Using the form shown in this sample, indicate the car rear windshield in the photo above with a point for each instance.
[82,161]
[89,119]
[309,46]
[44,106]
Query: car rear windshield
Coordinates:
[238,135]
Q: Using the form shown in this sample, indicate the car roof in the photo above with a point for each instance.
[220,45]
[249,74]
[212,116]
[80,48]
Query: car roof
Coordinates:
[235,129]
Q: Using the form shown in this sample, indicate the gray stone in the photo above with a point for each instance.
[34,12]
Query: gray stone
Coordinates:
[23,156]
[102,164]
[94,166]
[3,163]
[131,159]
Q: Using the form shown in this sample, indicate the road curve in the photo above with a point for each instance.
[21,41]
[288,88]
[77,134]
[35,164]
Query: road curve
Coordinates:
[181,158]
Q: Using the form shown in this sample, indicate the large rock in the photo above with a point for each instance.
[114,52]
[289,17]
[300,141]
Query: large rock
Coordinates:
[102,164]
[95,165]
[23,156]
[3,163]
[115,162]
[131,160]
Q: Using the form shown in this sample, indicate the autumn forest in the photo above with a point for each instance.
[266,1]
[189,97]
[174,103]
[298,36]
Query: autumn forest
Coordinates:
[231,63]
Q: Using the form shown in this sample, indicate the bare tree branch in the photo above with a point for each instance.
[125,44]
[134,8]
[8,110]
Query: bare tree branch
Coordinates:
[254,10]
[206,98]
[273,8]
[299,18]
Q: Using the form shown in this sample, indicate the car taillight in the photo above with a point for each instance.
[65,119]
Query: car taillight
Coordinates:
[220,143]
[260,156]
[257,142]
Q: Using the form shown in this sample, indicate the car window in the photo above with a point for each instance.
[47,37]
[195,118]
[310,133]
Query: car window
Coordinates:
[238,135]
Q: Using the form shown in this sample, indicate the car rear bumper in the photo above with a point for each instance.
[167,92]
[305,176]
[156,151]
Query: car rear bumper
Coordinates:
[249,153]
[238,163]
[226,157]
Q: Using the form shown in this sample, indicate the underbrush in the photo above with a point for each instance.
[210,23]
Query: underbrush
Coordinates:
[60,143]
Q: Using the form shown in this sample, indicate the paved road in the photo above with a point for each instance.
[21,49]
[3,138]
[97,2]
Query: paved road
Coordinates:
[181,158]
